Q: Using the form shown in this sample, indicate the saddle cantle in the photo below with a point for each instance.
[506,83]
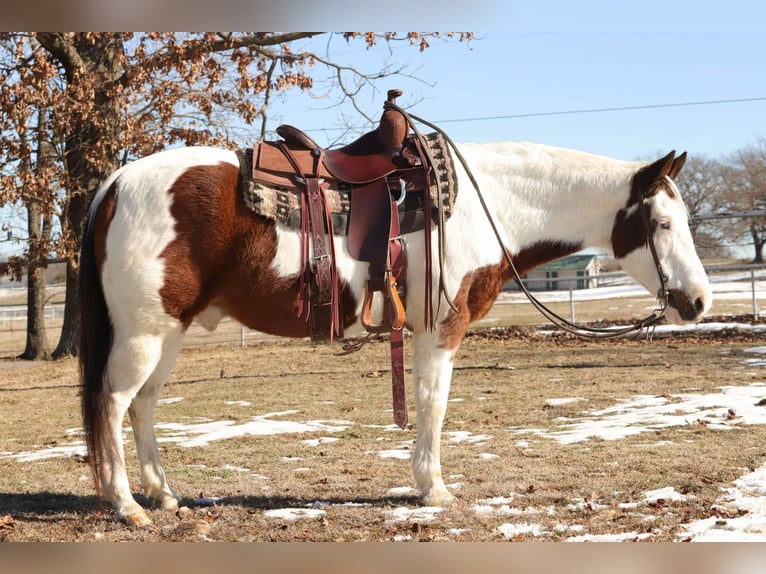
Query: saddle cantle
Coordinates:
[383,183]
[373,156]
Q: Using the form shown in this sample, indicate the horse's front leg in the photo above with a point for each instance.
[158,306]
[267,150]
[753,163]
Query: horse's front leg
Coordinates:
[432,370]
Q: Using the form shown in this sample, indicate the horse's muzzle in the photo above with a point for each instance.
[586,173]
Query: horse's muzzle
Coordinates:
[688,309]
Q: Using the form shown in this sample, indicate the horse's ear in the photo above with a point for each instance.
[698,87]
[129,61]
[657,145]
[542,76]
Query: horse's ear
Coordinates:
[678,163]
[648,175]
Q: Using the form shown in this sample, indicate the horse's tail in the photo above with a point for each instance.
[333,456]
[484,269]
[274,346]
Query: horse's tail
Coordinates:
[96,334]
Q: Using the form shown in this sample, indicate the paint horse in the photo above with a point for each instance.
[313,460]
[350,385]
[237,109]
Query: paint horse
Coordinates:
[169,242]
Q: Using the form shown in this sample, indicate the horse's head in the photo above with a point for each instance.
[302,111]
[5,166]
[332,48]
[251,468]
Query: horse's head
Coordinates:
[651,237]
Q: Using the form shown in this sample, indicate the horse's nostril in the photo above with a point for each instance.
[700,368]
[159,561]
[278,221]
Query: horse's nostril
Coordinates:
[699,304]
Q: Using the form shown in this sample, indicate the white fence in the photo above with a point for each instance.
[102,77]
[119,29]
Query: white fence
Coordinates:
[737,290]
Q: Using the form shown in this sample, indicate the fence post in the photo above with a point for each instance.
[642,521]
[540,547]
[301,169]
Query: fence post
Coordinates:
[571,303]
[755,301]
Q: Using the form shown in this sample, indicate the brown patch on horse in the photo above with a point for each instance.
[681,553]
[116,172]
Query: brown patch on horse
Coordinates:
[628,232]
[479,289]
[102,220]
[222,255]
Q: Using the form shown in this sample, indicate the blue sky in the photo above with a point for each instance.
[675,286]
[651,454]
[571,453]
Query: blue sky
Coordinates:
[555,56]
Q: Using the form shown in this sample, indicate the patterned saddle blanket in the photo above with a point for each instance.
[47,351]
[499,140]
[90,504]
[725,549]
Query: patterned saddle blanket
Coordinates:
[282,204]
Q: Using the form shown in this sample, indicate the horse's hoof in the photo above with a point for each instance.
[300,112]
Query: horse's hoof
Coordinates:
[438,498]
[136,519]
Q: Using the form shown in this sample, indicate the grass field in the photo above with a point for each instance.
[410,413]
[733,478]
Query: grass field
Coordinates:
[337,469]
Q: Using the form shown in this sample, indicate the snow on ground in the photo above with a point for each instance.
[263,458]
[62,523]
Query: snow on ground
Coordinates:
[746,497]
[732,407]
[200,434]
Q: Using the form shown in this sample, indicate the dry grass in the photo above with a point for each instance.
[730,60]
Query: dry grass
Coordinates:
[502,385]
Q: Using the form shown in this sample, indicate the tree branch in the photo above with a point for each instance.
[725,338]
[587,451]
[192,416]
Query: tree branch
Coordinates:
[63,50]
[224,43]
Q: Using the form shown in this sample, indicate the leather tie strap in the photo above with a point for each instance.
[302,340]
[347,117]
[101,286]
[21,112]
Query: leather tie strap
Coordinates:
[397,262]
[397,378]
[318,293]
[322,264]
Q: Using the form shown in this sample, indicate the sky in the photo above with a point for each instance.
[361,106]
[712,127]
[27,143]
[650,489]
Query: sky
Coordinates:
[558,57]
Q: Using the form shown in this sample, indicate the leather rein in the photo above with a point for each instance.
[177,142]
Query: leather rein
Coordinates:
[579,330]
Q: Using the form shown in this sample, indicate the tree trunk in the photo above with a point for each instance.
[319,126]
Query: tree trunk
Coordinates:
[37,337]
[100,59]
[758,242]
[69,341]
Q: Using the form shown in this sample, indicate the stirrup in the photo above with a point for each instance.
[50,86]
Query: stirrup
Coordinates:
[391,296]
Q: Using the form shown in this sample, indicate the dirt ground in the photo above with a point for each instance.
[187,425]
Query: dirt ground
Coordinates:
[353,482]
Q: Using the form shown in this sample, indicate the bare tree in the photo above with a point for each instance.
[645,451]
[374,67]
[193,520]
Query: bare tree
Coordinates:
[703,189]
[111,97]
[745,179]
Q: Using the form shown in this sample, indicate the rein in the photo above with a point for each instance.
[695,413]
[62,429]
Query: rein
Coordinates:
[559,321]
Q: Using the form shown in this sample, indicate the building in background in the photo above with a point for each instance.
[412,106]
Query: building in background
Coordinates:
[572,272]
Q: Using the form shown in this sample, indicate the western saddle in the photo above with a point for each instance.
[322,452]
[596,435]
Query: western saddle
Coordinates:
[380,168]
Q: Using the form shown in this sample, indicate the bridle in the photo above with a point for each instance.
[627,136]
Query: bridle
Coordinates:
[593,332]
[579,330]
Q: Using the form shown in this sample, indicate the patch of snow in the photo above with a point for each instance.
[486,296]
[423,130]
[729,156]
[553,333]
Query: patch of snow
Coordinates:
[495,500]
[732,407]
[748,497]
[238,403]
[467,436]
[512,530]
[291,514]
[618,537]
[668,493]
[77,448]
[201,434]
[563,401]
[170,400]
[320,440]
[423,514]
[488,456]
[392,453]
[236,468]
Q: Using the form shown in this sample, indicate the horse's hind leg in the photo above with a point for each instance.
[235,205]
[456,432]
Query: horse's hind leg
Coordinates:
[132,360]
[141,413]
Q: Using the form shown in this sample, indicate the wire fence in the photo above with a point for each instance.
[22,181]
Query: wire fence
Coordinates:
[738,291]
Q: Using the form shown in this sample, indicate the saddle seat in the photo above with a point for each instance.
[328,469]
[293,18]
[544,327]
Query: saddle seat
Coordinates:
[373,156]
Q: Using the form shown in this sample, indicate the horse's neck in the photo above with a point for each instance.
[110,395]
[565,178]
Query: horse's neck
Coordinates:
[545,194]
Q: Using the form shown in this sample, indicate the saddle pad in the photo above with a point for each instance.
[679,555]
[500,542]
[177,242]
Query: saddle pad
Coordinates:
[282,204]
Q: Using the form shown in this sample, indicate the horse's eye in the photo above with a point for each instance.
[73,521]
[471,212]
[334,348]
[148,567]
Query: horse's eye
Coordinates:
[664,224]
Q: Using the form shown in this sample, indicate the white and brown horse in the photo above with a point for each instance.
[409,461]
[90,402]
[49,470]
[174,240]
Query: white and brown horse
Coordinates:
[169,242]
